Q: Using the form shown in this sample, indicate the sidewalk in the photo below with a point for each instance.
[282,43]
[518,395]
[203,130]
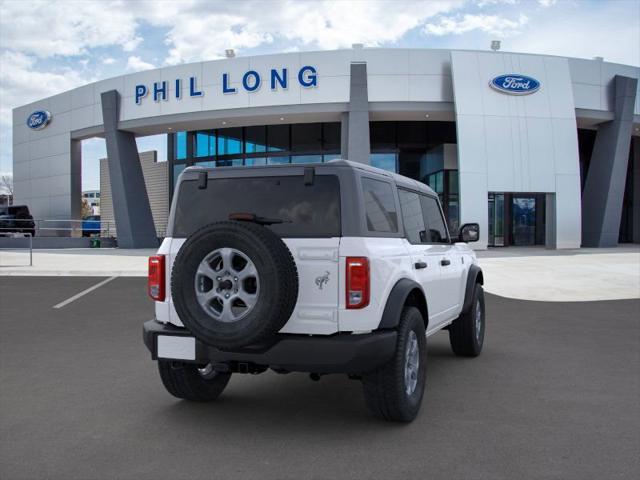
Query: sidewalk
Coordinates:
[522,273]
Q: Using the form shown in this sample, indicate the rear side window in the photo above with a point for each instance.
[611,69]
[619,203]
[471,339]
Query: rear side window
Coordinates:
[306,210]
[380,206]
[412,217]
[437,232]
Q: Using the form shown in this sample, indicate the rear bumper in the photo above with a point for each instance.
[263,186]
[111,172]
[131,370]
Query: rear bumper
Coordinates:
[341,353]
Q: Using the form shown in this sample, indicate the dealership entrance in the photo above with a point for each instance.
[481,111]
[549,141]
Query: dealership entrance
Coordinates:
[516,219]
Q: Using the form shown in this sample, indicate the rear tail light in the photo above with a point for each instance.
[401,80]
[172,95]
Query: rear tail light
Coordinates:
[357,282]
[155,282]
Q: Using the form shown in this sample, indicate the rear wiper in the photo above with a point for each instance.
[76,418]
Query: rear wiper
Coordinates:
[252,217]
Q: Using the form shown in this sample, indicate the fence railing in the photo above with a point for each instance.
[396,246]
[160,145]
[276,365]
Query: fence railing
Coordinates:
[58,228]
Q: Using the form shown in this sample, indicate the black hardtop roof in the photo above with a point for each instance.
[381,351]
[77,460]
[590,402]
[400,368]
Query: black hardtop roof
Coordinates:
[400,180]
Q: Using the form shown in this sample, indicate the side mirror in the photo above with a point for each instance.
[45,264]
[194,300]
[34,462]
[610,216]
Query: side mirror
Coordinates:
[469,232]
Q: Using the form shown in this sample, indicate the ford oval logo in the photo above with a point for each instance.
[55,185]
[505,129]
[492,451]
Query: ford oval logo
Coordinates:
[38,120]
[515,84]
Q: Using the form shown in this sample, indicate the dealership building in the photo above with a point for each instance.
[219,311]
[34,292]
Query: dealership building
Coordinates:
[539,150]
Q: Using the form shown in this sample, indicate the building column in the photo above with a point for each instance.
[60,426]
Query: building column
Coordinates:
[131,209]
[358,144]
[604,186]
[635,205]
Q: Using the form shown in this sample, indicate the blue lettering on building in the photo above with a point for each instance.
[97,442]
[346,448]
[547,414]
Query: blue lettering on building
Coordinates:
[225,84]
[192,88]
[276,77]
[141,92]
[308,77]
[159,88]
[250,82]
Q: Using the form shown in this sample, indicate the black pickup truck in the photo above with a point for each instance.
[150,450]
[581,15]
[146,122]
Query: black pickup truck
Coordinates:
[16,218]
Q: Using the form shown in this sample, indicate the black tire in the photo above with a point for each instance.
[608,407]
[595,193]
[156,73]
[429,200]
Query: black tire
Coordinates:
[464,335]
[385,389]
[277,294]
[183,380]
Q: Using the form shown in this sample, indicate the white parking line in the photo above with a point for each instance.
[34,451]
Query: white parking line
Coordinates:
[84,292]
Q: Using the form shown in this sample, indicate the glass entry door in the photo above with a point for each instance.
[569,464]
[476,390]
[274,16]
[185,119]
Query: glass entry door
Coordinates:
[523,214]
[496,220]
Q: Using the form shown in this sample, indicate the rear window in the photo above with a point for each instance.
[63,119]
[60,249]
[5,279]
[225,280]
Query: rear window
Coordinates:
[307,210]
[380,206]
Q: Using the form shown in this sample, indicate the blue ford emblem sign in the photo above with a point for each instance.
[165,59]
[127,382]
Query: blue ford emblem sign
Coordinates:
[38,120]
[515,84]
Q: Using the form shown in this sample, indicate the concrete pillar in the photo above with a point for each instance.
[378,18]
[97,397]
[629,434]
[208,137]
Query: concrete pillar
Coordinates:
[131,209]
[636,190]
[550,234]
[604,187]
[344,135]
[358,144]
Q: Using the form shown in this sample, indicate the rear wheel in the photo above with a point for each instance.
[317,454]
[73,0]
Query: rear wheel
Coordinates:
[394,391]
[190,382]
[466,333]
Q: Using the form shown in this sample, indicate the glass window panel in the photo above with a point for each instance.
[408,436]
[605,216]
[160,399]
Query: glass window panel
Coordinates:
[412,217]
[383,135]
[385,161]
[380,206]
[331,136]
[278,138]
[231,162]
[327,157]
[453,215]
[306,158]
[209,164]
[308,210]
[278,160]
[180,143]
[177,170]
[255,161]
[412,135]
[437,232]
[453,181]
[255,139]
[230,141]
[306,137]
[205,145]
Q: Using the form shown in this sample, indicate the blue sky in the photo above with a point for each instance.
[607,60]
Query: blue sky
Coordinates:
[47,47]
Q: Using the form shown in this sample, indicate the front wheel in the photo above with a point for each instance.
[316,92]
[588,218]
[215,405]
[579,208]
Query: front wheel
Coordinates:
[466,333]
[394,391]
[190,382]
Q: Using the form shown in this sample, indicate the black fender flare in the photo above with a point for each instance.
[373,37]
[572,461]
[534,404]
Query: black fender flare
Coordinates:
[404,290]
[474,276]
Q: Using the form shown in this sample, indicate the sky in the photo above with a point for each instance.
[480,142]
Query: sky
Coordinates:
[47,47]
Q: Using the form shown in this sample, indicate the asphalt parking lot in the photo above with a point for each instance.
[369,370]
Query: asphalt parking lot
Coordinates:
[554,395]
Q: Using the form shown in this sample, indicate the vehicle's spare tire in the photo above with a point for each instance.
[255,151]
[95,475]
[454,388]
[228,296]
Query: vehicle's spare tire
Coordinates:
[234,284]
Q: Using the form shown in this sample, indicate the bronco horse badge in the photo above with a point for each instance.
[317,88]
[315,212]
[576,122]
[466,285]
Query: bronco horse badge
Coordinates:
[322,280]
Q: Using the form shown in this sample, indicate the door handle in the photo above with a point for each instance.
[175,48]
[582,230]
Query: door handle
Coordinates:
[444,262]
[419,265]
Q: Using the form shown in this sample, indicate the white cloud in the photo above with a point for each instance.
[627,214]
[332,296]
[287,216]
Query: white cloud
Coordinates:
[135,64]
[108,61]
[547,3]
[491,24]
[203,30]
[22,83]
[47,29]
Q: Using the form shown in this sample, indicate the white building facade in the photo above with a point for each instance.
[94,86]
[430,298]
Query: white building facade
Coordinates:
[536,149]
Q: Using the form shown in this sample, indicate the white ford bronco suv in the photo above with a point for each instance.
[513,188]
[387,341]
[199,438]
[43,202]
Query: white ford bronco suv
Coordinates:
[321,268]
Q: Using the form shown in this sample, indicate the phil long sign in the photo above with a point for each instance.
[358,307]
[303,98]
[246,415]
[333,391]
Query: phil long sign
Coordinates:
[251,81]
[515,84]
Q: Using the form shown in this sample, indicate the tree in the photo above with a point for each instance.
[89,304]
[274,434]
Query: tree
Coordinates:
[6,184]
[86,209]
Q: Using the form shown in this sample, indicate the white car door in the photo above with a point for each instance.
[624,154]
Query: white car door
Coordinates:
[425,260]
[448,258]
